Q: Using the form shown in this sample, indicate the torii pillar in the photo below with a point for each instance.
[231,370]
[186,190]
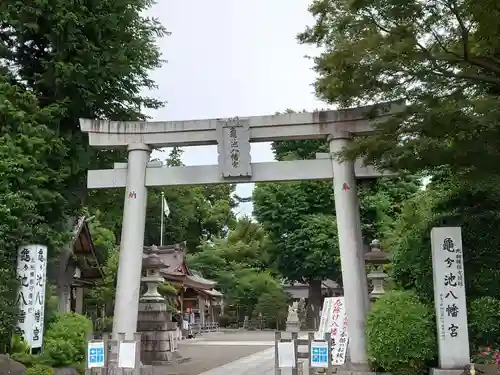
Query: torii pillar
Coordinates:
[351,248]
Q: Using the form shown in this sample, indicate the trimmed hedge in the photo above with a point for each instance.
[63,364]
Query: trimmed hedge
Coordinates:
[401,334]
[66,339]
[40,370]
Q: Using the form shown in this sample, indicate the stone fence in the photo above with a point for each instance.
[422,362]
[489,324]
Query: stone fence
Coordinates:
[197,328]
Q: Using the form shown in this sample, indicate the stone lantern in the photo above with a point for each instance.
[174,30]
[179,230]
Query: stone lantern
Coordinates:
[152,264]
[158,338]
[378,258]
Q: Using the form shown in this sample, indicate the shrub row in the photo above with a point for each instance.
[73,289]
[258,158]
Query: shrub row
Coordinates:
[65,344]
[401,331]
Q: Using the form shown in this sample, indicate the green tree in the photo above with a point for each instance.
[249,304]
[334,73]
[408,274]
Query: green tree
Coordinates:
[473,208]
[272,307]
[196,212]
[300,218]
[89,59]
[441,58]
[238,264]
[30,182]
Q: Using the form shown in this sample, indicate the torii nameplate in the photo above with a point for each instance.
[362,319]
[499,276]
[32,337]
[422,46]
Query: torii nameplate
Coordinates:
[233,146]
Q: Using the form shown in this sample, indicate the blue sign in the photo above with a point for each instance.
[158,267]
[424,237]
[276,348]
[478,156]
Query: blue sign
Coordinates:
[319,354]
[95,354]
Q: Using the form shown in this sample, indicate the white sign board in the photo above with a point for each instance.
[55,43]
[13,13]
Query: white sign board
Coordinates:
[286,354]
[39,301]
[95,354]
[319,354]
[126,355]
[26,273]
[31,271]
[334,320]
[449,297]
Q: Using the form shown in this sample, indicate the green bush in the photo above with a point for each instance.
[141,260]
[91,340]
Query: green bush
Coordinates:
[18,345]
[40,370]
[484,323]
[66,339]
[401,333]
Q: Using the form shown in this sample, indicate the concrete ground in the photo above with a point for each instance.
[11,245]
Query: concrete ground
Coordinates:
[230,352]
[213,350]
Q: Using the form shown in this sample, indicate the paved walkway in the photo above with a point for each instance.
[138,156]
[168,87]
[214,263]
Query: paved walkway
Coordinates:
[229,353]
[261,363]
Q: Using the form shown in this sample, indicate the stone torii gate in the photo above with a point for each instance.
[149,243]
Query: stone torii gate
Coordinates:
[233,137]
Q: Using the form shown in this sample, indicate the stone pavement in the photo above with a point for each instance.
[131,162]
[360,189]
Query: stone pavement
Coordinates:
[261,363]
[234,353]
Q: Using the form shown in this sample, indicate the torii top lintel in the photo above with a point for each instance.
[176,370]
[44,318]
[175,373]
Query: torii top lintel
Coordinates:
[292,126]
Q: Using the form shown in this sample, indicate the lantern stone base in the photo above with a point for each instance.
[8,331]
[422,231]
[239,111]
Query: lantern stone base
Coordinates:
[293,326]
[158,332]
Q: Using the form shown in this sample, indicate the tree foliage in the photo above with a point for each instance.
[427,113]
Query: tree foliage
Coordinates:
[196,212]
[439,57]
[31,205]
[300,216]
[471,207]
[91,60]
[238,263]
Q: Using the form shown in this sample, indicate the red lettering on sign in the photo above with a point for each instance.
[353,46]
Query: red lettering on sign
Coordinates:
[132,195]
[345,187]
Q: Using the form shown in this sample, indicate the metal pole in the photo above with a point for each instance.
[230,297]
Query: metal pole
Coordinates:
[161,220]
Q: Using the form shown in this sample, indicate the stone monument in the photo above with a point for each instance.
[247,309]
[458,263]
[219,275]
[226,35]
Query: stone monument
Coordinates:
[292,320]
[159,341]
[450,300]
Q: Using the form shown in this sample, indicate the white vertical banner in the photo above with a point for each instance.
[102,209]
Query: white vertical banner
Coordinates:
[39,301]
[334,320]
[449,297]
[26,273]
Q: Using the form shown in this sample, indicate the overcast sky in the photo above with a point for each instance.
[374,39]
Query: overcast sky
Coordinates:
[230,58]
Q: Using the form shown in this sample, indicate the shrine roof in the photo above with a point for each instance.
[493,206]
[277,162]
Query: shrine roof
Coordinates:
[176,268]
[213,293]
[84,251]
[326,284]
[80,252]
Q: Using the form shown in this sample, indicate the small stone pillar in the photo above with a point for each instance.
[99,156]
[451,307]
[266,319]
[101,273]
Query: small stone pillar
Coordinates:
[158,344]
[292,320]
[378,258]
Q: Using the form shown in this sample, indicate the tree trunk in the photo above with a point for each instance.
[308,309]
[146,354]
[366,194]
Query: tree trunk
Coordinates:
[313,304]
